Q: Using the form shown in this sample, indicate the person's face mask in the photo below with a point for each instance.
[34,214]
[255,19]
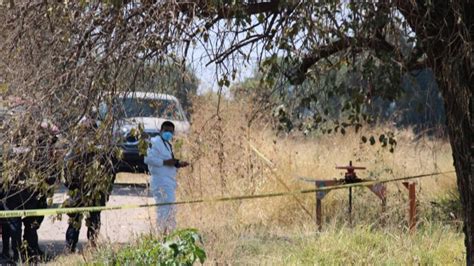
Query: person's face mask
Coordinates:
[166,135]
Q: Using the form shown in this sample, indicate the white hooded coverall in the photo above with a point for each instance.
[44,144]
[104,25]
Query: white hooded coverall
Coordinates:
[163,181]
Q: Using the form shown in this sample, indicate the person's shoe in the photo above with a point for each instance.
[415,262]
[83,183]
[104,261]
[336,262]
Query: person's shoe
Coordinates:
[38,252]
[34,256]
[5,256]
[70,247]
[92,243]
[6,252]
[16,256]
[7,259]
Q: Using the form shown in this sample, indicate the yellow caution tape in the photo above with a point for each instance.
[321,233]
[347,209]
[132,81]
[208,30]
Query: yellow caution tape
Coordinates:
[272,168]
[46,212]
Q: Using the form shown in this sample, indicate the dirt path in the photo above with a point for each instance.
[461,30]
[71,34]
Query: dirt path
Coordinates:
[118,226]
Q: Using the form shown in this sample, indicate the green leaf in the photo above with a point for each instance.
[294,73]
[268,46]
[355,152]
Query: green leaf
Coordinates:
[381,138]
[220,82]
[392,141]
[201,254]
[372,140]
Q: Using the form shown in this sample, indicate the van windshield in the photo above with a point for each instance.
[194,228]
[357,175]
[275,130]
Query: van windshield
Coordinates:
[138,107]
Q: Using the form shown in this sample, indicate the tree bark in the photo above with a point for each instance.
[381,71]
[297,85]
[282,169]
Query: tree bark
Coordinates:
[461,134]
[451,59]
[445,31]
[453,68]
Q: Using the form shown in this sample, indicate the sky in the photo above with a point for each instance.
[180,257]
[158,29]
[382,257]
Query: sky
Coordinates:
[198,58]
[208,77]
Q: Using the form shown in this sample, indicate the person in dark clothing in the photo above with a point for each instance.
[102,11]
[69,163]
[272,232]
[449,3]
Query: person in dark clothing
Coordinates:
[92,221]
[5,239]
[5,230]
[44,166]
[22,198]
[15,200]
[12,198]
[89,179]
[32,224]
[24,193]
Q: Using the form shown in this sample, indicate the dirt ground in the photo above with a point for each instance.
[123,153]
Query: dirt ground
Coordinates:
[118,226]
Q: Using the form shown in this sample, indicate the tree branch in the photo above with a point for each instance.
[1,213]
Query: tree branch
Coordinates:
[298,75]
[222,11]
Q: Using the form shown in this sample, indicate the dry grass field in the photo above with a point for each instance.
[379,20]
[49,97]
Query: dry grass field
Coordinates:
[278,230]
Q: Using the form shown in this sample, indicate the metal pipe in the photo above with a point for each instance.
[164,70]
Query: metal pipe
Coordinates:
[350,206]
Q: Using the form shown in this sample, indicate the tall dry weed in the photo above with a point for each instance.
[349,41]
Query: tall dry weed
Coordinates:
[223,164]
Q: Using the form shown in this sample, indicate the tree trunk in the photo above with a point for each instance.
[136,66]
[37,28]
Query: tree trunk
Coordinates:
[445,31]
[459,104]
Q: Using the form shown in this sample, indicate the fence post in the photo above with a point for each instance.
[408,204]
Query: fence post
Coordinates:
[319,215]
[412,205]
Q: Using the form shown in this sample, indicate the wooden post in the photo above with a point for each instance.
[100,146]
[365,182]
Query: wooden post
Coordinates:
[319,215]
[412,199]
[319,198]
[412,206]
[350,206]
[384,212]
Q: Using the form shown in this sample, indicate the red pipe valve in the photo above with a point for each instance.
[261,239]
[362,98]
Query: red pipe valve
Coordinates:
[350,175]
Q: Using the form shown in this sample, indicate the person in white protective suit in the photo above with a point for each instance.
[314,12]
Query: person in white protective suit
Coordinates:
[163,167]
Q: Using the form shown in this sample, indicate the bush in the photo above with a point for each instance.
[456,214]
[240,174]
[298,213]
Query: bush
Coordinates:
[182,247]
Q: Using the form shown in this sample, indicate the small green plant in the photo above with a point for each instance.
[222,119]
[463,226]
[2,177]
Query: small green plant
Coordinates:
[182,247]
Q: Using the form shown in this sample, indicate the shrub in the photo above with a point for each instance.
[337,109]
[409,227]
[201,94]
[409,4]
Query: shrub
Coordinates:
[182,247]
